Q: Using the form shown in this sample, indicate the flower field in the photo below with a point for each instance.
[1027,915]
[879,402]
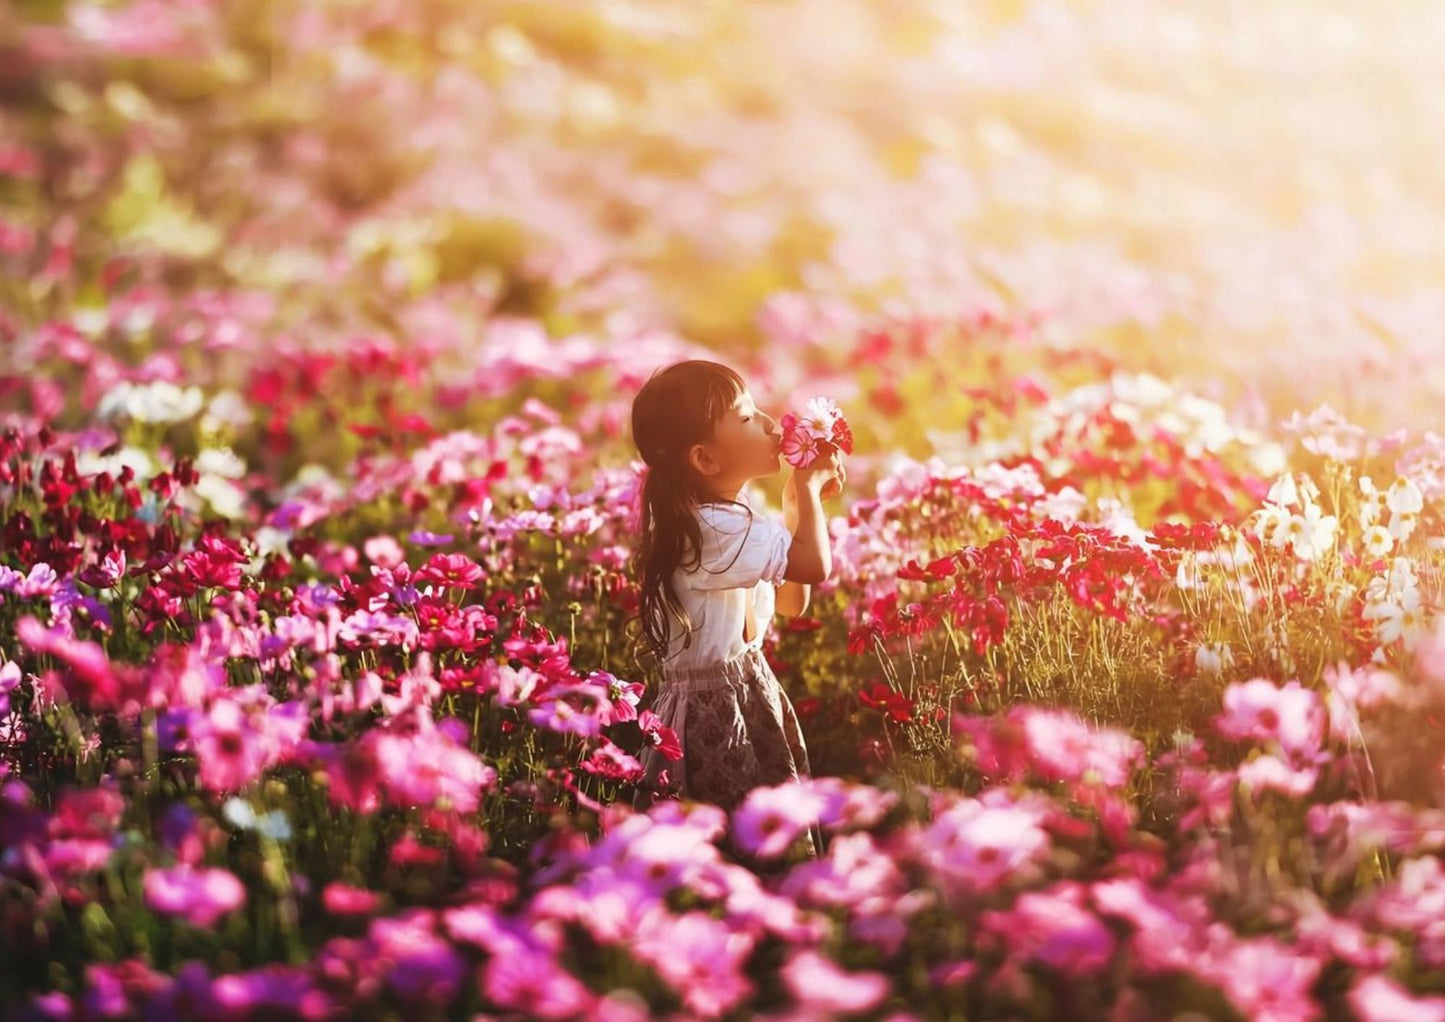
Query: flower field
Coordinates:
[319,326]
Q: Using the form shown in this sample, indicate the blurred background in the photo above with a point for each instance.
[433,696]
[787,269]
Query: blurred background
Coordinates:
[1241,197]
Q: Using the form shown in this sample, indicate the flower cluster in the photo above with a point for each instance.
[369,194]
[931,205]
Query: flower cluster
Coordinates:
[810,433]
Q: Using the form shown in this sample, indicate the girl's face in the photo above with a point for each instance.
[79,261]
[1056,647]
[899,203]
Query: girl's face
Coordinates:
[746,443]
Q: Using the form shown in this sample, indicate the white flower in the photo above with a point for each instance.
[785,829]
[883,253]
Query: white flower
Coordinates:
[271,540]
[1064,505]
[1311,532]
[1402,525]
[225,498]
[1378,541]
[156,401]
[89,463]
[1271,524]
[1283,493]
[1404,497]
[227,408]
[1213,658]
[1394,621]
[221,461]
[821,413]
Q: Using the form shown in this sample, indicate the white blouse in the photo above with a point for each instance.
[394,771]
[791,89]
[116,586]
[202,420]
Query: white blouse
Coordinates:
[742,562]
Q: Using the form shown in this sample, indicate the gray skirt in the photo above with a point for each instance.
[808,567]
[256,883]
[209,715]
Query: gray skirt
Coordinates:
[737,730]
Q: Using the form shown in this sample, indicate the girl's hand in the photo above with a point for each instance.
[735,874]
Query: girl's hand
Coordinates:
[825,468]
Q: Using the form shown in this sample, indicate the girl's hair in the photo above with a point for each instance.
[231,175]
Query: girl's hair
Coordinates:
[677,407]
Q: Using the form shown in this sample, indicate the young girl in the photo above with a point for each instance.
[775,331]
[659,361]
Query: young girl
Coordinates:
[712,572]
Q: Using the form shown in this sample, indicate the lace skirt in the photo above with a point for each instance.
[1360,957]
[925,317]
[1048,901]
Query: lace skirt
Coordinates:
[737,729]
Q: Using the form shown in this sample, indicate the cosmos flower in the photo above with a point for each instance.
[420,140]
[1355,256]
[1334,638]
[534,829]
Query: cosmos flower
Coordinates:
[820,422]
[201,896]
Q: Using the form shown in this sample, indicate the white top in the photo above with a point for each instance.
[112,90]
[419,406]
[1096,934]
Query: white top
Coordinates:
[742,563]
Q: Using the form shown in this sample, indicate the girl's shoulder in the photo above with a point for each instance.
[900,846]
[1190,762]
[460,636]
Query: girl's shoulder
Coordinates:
[726,513]
[741,545]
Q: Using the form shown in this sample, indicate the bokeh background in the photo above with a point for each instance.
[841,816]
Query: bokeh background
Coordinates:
[1241,196]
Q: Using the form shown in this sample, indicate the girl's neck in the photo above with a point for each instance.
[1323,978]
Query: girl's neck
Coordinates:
[729,493]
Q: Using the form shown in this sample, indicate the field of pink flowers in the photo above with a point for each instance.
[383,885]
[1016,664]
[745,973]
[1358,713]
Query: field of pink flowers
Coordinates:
[319,327]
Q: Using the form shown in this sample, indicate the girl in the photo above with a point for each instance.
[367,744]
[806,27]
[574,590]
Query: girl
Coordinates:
[712,572]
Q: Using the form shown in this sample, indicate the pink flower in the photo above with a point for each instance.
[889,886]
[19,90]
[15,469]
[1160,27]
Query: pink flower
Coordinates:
[532,983]
[855,872]
[201,896]
[383,550]
[454,570]
[820,985]
[343,899]
[1267,980]
[1292,715]
[426,768]
[243,734]
[1274,774]
[1056,928]
[1378,998]
[799,448]
[980,845]
[227,748]
[820,422]
[700,957]
[770,819]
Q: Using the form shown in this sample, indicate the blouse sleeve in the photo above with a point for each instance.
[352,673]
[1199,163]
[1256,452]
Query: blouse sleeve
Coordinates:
[739,551]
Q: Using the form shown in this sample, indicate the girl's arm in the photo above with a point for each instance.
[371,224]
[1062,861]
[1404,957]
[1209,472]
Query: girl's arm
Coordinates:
[809,558]
[792,598]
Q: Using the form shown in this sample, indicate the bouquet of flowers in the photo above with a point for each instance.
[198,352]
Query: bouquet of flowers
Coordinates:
[812,433]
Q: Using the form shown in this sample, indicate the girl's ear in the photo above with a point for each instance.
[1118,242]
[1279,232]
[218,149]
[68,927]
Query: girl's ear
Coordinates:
[700,457]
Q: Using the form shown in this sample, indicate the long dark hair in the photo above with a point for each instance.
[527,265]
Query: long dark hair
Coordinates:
[677,407]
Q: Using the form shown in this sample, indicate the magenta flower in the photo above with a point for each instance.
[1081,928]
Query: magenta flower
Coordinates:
[533,984]
[419,964]
[455,570]
[201,896]
[229,747]
[345,900]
